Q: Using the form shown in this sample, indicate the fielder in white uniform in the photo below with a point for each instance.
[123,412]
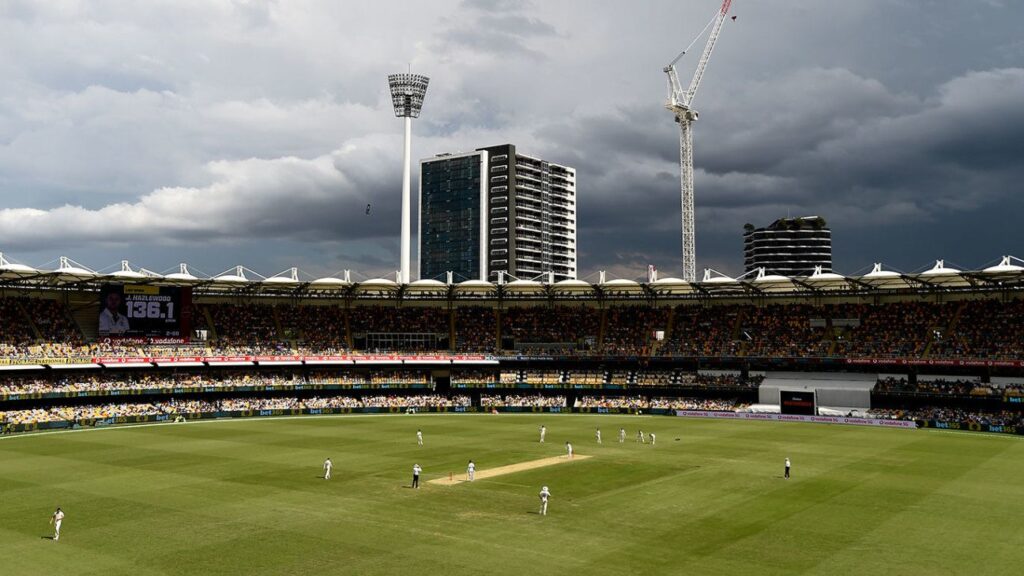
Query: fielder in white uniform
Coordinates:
[56,519]
[640,437]
[598,433]
[568,448]
[622,435]
[544,495]
[652,438]
[543,432]
[470,471]
[327,468]
[419,437]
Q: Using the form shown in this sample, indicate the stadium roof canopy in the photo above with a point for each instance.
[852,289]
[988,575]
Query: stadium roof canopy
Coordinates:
[1008,273]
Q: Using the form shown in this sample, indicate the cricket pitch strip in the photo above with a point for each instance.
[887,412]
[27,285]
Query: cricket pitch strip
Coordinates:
[509,469]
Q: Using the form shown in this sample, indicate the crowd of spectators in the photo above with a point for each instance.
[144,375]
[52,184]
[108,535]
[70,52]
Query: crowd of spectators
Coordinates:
[947,414]
[178,407]
[142,380]
[704,331]
[990,329]
[942,387]
[629,330]
[321,328]
[635,402]
[901,329]
[517,400]
[407,319]
[784,331]
[984,329]
[641,403]
[705,404]
[247,325]
[585,377]
[557,329]
[475,329]
[16,334]
[473,376]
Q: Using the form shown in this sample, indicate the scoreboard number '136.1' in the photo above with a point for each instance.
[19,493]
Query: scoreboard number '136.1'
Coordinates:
[145,308]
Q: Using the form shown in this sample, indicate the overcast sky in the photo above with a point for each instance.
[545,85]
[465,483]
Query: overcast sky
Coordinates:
[222,132]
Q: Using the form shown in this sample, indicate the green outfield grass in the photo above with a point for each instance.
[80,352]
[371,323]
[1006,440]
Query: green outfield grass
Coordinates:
[247,497]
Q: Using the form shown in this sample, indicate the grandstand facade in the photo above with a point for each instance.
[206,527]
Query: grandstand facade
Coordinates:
[946,343]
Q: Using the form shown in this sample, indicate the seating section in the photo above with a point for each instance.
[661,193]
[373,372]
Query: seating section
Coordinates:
[989,329]
[178,407]
[984,329]
[629,330]
[944,387]
[475,329]
[521,401]
[552,328]
[948,414]
[245,325]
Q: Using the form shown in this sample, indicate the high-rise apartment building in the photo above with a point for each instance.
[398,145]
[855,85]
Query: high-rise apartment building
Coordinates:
[493,210]
[789,246]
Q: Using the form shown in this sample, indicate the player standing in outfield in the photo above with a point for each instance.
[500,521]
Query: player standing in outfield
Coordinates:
[419,437]
[652,438]
[416,475]
[544,495]
[543,432]
[622,435]
[470,471]
[568,448]
[640,437]
[787,468]
[598,433]
[327,468]
[56,519]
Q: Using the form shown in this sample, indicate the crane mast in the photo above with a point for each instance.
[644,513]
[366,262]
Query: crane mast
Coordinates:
[680,104]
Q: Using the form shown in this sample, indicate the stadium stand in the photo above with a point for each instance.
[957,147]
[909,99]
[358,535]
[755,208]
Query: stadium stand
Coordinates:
[959,358]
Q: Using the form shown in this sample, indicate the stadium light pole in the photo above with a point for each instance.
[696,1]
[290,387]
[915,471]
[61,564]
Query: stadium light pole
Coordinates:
[407,92]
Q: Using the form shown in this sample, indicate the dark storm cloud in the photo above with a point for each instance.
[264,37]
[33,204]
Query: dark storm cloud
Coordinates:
[264,129]
[880,165]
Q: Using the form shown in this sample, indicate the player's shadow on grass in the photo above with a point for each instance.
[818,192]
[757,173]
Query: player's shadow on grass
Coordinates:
[46,537]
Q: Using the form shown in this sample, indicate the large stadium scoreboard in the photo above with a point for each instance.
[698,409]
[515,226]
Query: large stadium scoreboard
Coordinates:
[140,311]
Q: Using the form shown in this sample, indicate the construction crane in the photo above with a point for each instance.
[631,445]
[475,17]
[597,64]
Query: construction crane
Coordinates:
[680,104]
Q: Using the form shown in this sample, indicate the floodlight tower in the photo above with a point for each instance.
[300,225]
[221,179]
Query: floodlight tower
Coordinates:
[680,104]
[407,92]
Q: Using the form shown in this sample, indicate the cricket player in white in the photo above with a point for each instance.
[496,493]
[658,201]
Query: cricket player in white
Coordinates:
[568,448]
[470,471]
[419,437]
[622,435]
[640,437]
[327,468]
[544,495]
[598,435]
[543,432]
[653,438]
[56,519]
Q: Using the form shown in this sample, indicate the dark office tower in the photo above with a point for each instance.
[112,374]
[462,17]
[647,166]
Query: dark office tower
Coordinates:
[492,211]
[789,246]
